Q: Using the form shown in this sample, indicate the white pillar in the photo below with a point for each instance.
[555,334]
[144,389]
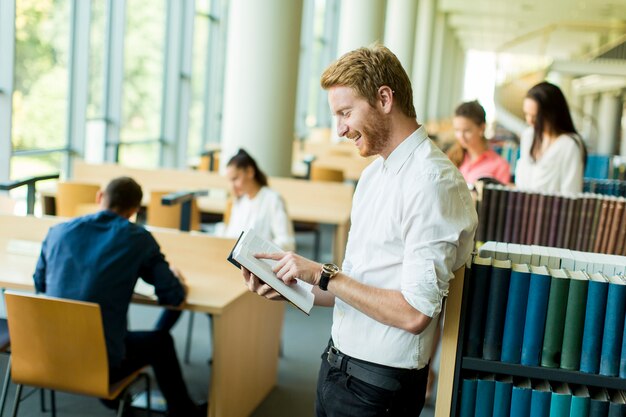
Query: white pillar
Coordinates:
[436,66]
[459,73]
[589,129]
[361,23]
[609,120]
[261,80]
[400,29]
[7,51]
[422,56]
[445,106]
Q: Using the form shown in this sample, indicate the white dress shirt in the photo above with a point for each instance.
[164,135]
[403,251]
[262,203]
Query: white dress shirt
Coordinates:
[266,213]
[413,224]
[560,168]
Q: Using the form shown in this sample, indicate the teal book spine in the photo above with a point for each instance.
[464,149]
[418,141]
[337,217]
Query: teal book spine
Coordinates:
[520,400]
[555,319]
[468,397]
[580,403]
[540,400]
[485,391]
[496,309]
[574,321]
[613,327]
[594,324]
[560,404]
[536,310]
[515,314]
[502,397]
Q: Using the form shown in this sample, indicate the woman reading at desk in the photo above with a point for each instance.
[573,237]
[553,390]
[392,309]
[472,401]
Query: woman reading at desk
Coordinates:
[253,206]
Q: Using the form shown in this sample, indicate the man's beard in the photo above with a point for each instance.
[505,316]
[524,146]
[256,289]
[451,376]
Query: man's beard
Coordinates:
[375,136]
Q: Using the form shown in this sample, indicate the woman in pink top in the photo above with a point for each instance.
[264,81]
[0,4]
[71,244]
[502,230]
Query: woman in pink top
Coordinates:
[471,154]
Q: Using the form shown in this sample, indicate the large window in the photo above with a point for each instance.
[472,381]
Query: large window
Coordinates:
[142,97]
[39,134]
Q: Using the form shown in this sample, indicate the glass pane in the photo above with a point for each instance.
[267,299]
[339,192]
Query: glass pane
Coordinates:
[140,155]
[41,74]
[198,85]
[97,50]
[144,50]
[32,166]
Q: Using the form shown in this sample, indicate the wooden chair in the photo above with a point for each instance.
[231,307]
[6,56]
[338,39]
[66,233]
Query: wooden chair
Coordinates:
[320,173]
[205,162]
[169,216]
[71,195]
[58,344]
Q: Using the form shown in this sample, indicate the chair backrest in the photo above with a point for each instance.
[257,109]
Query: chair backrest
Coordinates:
[169,216]
[71,195]
[319,173]
[57,344]
[205,162]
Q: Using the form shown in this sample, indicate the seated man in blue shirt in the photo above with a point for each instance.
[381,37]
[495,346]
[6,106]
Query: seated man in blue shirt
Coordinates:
[98,258]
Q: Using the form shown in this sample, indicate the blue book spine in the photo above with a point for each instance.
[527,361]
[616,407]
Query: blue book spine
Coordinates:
[479,278]
[534,325]
[515,316]
[594,327]
[468,397]
[502,398]
[485,391]
[520,402]
[496,309]
[560,405]
[613,330]
[540,403]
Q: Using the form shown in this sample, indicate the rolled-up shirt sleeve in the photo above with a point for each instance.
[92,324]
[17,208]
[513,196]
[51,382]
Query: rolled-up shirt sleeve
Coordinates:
[436,221]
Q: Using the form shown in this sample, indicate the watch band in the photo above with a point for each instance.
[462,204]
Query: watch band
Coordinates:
[328,271]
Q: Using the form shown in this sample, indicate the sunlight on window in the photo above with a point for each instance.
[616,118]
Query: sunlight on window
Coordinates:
[480,79]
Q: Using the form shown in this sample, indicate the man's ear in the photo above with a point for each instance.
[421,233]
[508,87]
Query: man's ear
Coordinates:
[385,96]
[99,195]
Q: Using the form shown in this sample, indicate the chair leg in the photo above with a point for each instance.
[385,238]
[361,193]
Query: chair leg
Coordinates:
[120,408]
[42,400]
[149,397]
[188,339]
[5,387]
[53,403]
[16,403]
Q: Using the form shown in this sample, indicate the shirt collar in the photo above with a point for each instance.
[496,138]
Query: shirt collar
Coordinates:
[399,156]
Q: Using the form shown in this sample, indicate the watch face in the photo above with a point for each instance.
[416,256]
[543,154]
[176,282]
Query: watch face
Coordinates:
[330,269]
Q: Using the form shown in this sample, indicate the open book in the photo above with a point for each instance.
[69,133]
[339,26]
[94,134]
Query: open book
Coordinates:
[299,294]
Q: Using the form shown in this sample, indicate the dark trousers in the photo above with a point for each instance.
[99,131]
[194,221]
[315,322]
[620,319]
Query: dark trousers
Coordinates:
[342,395]
[156,348]
[167,319]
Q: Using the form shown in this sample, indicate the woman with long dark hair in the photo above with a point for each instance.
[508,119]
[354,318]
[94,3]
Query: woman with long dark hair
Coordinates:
[552,153]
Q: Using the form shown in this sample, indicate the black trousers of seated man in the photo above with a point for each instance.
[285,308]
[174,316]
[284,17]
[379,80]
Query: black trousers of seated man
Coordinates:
[342,395]
[156,349]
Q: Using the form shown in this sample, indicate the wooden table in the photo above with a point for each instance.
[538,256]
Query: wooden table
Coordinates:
[246,328]
[307,201]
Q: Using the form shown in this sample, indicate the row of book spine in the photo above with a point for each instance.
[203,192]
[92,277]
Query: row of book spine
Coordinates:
[583,222]
[499,396]
[553,318]
[615,188]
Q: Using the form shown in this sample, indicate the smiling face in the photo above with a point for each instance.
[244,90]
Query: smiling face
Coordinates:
[359,121]
[468,133]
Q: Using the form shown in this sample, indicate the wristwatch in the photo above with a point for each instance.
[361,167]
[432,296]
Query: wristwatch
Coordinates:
[328,272]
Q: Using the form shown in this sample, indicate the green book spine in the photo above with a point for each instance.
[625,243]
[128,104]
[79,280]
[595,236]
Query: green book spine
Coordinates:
[574,324]
[555,320]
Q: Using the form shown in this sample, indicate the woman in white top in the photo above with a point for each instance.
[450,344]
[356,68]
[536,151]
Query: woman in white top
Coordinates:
[552,154]
[256,205]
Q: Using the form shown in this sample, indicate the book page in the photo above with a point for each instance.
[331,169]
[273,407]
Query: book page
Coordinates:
[299,293]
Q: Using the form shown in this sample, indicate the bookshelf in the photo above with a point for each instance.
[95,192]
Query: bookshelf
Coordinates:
[466,366]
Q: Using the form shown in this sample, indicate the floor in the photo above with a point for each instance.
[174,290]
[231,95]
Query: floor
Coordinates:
[303,341]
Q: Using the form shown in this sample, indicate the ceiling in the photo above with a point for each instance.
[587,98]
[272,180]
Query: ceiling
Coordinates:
[559,29]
